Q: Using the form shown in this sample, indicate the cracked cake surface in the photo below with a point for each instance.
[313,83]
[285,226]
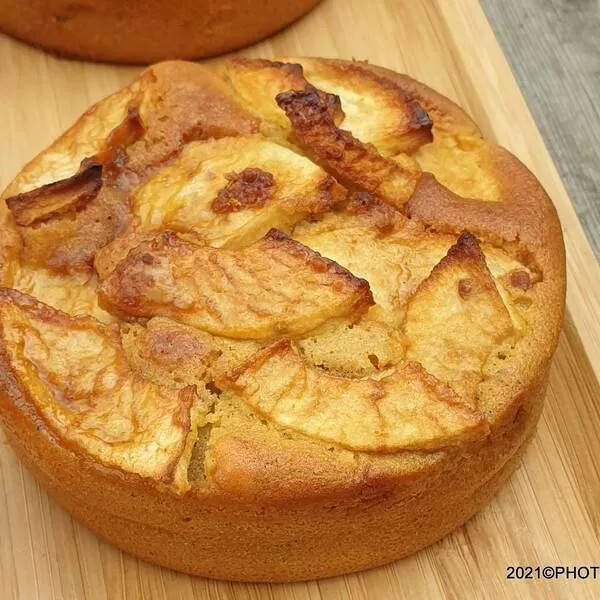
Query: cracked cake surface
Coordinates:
[295,285]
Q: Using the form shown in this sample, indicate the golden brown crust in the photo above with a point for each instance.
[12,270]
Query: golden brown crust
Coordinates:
[110,255]
[379,214]
[171,353]
[171,345]
[518,217]
[264,481]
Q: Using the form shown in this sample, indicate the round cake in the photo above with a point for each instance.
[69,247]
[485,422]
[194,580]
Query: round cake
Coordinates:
[144,32]
[275,320]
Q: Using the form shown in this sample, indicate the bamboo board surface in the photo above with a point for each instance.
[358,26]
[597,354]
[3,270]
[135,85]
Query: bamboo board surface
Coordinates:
[548,513]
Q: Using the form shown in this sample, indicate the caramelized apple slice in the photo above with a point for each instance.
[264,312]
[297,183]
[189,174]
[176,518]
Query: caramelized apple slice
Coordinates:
[231,191]
[377,111]
[56,198]
[401,410]
[74,372]
[393,263]
[74,192]
[456,317]
[355,164]
[74,217]
[373,108]
[276,286]
[257,81]
[178,101]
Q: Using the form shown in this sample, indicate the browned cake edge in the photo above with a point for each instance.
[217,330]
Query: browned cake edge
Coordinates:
[374,522]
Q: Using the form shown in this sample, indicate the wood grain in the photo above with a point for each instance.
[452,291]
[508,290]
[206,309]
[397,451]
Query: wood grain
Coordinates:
[549,512]
[561,85]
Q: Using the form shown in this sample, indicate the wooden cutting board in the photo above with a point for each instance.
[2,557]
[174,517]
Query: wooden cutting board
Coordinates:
[549,512]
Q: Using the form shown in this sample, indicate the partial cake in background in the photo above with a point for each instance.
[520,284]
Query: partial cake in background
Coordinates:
[143,32]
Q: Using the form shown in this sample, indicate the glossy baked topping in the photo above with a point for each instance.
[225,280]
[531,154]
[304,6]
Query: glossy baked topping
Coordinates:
[297,242]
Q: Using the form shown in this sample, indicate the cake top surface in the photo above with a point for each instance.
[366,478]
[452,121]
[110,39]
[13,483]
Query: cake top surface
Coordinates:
[306,271]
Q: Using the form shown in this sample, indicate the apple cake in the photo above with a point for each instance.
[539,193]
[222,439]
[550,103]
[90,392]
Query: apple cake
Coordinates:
[275,320]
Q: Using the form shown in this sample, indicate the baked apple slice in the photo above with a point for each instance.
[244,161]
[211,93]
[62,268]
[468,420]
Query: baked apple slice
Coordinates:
[231,191]
[68,208]
[56,198]
[403,409]
[62,224]
[395,255]
[456,317]
[357,165]
[393,262]
[274,287]
[257,81]
[73,371]
[73,193]
[376,110]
